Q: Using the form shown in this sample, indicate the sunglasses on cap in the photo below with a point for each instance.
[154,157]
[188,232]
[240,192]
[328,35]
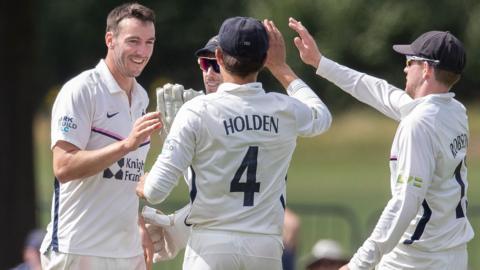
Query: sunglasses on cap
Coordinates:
[411,58]
[206,63]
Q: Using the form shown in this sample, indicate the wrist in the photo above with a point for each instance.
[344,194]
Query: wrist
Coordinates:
[279,70]
[127,146]
[284,74]
[141,222]
[316,61]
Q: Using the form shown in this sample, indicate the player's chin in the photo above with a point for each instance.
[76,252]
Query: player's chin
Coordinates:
[211,87]
[136,69]
[210,90]
[135,72]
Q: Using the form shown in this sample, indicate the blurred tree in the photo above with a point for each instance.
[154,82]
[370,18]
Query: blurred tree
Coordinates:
[18,80]
[73,38]
[360,34]
[357,33]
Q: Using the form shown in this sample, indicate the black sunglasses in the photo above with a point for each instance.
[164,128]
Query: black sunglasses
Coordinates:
[206,63]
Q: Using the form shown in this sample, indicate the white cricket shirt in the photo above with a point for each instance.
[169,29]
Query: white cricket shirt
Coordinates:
[97,215]
[238,143]
[427,211]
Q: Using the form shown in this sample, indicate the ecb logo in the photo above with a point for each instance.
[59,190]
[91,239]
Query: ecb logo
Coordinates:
[115,170]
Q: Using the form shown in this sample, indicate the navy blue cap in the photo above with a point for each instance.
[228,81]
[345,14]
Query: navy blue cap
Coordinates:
[437,45]
[209,48]
[243,37]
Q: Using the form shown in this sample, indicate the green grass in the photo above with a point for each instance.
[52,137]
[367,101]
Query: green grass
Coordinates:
[346,167]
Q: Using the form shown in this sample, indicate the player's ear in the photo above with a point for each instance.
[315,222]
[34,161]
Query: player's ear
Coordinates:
[109,39]
[219,56]
[427,70]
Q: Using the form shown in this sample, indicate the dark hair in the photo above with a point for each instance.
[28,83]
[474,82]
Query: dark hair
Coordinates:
[128,10]
[242,66]
[446,77]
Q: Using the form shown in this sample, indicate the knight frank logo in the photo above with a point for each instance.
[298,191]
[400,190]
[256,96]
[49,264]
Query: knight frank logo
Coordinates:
[125,169]
[117,168]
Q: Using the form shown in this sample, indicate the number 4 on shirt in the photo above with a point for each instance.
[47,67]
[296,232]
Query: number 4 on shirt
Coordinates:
[249,188]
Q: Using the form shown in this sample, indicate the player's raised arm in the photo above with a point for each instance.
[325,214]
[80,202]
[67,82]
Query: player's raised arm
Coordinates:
[305,44]
[276,56]
[373,91]
[317,118]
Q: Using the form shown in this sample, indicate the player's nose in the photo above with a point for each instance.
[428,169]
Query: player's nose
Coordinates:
[210,70]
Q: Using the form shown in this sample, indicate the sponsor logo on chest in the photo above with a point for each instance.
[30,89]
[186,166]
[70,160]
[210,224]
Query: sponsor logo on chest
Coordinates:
[126,169]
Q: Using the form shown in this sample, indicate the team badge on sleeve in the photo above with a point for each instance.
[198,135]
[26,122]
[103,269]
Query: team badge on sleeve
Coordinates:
[66,123]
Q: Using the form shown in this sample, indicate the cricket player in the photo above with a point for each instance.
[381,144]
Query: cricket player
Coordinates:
[238,143]
[170,237]
[425,224]
[209,66]
[100,138]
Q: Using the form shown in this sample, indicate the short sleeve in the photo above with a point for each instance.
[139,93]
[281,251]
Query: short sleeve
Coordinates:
[72,115]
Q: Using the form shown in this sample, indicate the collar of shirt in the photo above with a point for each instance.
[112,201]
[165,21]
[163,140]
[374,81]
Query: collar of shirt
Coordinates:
[110,81]
[435,98]
[244,89]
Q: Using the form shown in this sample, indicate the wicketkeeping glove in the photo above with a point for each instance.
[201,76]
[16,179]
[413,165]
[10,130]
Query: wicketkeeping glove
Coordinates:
[170,98]
[169,233]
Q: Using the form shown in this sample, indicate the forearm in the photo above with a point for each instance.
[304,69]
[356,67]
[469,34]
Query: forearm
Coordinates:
[141,224]
[373,91]
[71,163]
[387,233]
[160,181]
[284,74]
[319,117]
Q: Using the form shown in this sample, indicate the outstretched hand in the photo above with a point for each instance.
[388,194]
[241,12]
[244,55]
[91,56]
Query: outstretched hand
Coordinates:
[276,56]
[305,44]
[276,60]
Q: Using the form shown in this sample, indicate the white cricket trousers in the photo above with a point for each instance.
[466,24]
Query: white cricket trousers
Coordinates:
[404,257]
[52,260]
[224,250]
